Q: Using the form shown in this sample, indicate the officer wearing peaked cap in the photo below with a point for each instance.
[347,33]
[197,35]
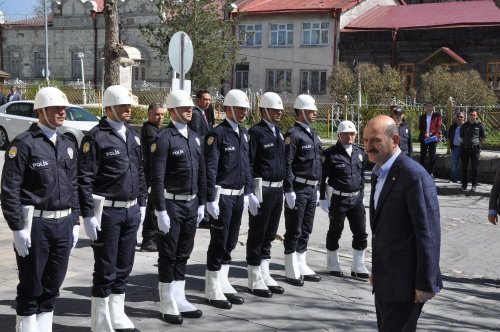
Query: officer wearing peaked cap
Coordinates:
[40,204]
[405,143]
[267,163]
[343,167]
[303,172]
[178,190]
[110,166]
[228,173]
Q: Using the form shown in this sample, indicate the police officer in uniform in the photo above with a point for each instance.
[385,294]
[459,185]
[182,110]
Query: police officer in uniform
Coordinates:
[40,174]
[267,162]
[226,156]
[110,165]
[343,166]
[405,143]
[178,189]
[303,172]
[149,130]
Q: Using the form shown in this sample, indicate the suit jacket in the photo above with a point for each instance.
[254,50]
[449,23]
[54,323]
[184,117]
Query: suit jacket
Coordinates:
[199,124]
[406,233]
[16,96]
[495,193]
[434,129]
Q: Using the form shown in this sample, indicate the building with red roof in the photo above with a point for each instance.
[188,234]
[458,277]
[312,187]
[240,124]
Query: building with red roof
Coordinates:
[291,46]
[416,37]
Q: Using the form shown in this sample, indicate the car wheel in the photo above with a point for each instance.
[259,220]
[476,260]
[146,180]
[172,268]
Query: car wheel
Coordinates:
[4,139]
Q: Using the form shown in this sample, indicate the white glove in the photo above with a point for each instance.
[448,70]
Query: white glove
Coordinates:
[201,214]
[163,221]
[22,241]
[76,235]
[245,202]
[253,204]
[325,205]
[317,197]
[91,226]
[213,209]
[143,214]
[290,199]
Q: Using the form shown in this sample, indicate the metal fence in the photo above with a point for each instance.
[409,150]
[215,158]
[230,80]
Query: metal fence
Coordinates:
[329,115]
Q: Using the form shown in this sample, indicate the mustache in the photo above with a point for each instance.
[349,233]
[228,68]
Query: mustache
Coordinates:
[372,151]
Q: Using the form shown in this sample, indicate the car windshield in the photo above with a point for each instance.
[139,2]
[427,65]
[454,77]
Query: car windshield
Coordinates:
[74,113]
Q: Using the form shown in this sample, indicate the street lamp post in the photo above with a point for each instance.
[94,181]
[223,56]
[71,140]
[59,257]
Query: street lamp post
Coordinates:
[81,55]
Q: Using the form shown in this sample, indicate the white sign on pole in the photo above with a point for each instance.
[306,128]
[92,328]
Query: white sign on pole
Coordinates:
[180,54]
[176,85]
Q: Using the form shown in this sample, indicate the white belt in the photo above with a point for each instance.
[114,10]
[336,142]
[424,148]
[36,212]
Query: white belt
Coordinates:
[177,197]
[270,184]
[232,192]
[305,181]
[120,204]
[51,214]
[339,193]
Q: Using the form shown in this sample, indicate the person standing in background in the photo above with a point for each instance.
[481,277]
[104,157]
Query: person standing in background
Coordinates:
[454,142]
[472,135]
[149,131]
[429,125]
[405,143]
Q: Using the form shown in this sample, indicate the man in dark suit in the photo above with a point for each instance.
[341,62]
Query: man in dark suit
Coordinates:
[201,123]
[429,125]
[405,222]
[14,95]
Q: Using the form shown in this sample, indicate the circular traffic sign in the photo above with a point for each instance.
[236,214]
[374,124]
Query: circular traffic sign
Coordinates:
[180,52]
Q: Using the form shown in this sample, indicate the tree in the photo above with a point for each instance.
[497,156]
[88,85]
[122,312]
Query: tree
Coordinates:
[112,46]
[378,86]
[38,7]
[214,40]
[466,87]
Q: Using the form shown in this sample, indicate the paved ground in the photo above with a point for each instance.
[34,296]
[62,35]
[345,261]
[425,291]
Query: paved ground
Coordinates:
[470,301]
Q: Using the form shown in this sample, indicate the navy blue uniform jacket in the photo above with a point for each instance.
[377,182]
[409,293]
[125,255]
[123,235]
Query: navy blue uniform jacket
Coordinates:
[406,233]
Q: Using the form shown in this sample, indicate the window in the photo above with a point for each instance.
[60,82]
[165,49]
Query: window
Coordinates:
[241,72]
[139,75]
[250,34]
[14,64]
[21,109]
[407,74]
[39,63]
[279,80]
[76,66]
[313,81]
[493,75]
[281,34]
[315,33]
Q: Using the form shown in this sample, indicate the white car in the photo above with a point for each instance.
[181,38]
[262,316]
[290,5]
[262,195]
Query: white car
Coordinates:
[17,116]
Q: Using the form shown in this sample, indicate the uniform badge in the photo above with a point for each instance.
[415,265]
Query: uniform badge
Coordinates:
[138,140]
[70,153]
[210,140]
[12,152]
[197,141]
[86,147]
[360,156]
[287,141]
[407,130]
[152,148]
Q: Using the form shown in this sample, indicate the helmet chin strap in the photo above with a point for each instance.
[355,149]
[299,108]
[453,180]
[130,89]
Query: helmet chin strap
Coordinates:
[178,116]
[48,121]
[116,116]
[305,119]
[268,117]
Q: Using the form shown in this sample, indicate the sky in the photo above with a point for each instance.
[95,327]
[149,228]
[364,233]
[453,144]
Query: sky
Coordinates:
[17,7]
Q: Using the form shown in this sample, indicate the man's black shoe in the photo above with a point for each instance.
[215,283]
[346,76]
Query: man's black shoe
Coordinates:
[295,282]
[234,299]
[312,277]
[149,246]
[276,289]
[204,224]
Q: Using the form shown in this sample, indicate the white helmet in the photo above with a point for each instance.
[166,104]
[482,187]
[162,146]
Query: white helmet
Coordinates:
[117,95]
[271,100]
[179,98]
[236,98]
[305,102]
[50,96]
[346,127]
